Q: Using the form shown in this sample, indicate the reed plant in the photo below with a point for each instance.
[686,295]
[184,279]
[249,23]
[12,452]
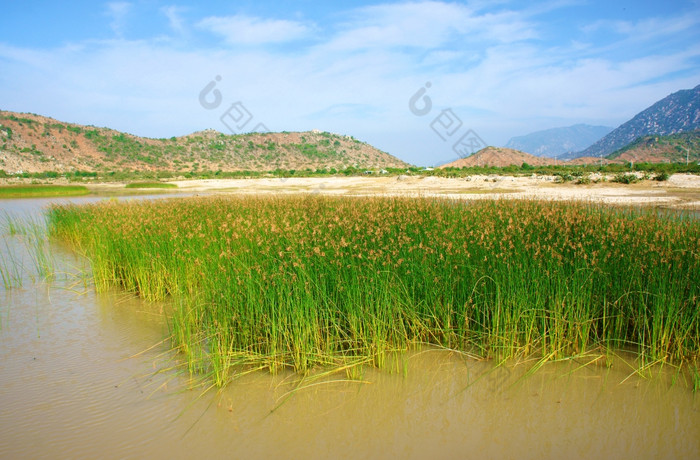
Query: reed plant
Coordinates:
[29,255]
[309,281]
[10,267]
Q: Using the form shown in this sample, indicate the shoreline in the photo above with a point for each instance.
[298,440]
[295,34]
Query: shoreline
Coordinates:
[680,191]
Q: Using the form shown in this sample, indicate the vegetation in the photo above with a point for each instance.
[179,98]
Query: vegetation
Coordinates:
[563,173]
[56,144]
[32,252]
[680,146]
[571,170]
[150,185]
[626,178]
[34,191]
[310,281]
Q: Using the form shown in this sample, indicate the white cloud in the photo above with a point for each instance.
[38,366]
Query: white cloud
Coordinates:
[247,30]
[646,29]
[175,21]
[118,11]
[427,25]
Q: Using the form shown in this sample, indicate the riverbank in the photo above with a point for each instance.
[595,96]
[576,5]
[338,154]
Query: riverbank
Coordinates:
[681,191]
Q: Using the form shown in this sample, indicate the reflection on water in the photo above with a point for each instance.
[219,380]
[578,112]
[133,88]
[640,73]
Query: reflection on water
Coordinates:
[86,376]
[34,206]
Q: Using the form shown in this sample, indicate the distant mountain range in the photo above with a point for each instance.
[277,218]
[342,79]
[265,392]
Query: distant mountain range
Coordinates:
[33,143]
[677,113]
[559,142]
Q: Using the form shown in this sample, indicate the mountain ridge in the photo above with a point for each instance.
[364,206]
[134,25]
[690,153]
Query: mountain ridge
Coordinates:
[676,113]
[498,156]
[676,148]
[35,143]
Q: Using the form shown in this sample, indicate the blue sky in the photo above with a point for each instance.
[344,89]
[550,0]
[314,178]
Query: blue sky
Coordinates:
[495,69]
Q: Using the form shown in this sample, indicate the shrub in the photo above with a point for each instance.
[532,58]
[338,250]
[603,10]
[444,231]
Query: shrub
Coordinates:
[623,178]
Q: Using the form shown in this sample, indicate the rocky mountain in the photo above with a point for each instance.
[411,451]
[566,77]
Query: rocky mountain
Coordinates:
[559,142]
[33,143]
[676,148]
[498,156]
[679,112]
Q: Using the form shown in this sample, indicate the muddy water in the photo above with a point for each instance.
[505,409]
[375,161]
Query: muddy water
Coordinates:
[85,376]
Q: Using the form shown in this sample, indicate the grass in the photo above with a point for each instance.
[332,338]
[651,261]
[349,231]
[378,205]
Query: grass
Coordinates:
[36,191]
[311,281]
[150,185]
[10,267]
[31,248]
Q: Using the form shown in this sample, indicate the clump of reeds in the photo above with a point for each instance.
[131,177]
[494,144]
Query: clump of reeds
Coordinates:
[311,281]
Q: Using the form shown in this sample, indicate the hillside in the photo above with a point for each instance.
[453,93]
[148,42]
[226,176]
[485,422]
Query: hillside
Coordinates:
[33,143]
[675,148]
[557,142]
[498,156]
[679,112]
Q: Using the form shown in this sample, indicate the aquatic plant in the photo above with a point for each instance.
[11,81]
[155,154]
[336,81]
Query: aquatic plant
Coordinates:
[10,268]
[309,281]
[31,245]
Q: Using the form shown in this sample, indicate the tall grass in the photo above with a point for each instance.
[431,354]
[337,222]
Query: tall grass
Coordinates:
[30,248]
[10,267]
[316,281]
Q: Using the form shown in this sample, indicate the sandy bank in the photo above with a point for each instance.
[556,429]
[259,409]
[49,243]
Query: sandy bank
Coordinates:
[681,190]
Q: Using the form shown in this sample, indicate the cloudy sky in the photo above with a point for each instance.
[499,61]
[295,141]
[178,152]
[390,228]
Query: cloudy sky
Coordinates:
[409,77]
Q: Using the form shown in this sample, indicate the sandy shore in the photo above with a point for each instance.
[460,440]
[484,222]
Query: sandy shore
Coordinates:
[680,191]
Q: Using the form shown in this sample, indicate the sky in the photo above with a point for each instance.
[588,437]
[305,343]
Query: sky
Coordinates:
[426,81]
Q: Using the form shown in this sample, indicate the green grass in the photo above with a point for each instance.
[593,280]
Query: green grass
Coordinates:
[150,185]
[308,282]
[37,191]
[31,249]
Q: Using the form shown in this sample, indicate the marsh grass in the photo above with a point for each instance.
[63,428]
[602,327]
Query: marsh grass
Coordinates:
[29,255]
[158,185]
[10,267]
[36,191]
[309,282]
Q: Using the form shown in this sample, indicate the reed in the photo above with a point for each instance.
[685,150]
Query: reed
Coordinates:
[309,281]
[29,255]
[10,267]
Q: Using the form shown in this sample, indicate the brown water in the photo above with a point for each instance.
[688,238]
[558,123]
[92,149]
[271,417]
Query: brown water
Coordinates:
[84,376]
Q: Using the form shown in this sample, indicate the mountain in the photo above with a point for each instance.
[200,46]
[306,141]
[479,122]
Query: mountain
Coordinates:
[557,142]
[498,156]
[676,148]
[679,112]
[33,143]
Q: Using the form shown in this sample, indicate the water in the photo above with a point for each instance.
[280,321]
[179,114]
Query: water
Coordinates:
[84,375]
